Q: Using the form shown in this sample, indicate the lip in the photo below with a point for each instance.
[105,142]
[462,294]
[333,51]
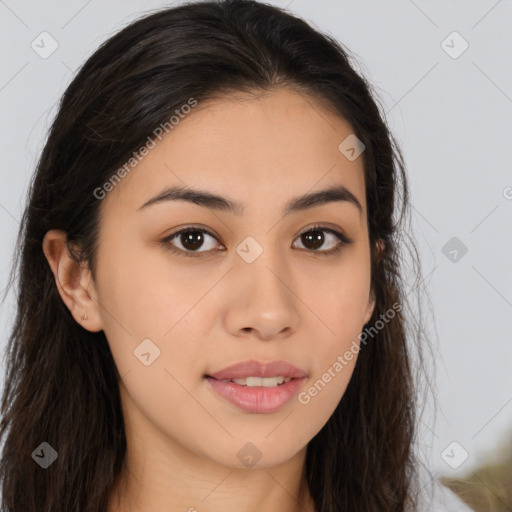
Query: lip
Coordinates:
[258,399]
[254,368]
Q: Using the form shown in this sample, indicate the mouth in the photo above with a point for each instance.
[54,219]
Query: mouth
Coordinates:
[257,387]
[265,382]
[255,394]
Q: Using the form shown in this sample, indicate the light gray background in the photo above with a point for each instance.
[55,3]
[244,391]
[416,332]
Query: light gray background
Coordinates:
[452,117]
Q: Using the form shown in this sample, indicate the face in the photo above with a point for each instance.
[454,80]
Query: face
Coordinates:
[263,285]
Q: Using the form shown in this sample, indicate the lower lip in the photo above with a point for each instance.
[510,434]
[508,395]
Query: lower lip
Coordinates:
[257,399]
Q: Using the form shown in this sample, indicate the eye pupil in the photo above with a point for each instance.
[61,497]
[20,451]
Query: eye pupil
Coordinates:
[192,239]
[316,240]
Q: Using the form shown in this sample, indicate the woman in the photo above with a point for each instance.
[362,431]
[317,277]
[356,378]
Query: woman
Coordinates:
[210,297]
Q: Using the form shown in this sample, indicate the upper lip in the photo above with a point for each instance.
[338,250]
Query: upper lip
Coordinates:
[259,369]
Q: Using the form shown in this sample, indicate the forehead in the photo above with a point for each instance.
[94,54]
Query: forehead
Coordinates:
[280,144]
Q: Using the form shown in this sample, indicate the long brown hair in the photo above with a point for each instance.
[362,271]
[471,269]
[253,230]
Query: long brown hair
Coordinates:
[61,381]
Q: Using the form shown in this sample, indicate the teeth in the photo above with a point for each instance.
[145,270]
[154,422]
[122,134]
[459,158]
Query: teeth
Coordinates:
[267,382]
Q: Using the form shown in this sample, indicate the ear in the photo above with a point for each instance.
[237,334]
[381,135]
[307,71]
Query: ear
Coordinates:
[74,281]
[371,301]
[369,309]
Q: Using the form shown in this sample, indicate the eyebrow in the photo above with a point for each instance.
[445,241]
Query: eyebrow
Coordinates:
[209,200]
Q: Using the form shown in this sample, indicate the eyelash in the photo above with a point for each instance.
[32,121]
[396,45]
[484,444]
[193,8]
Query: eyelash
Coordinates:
[343,241]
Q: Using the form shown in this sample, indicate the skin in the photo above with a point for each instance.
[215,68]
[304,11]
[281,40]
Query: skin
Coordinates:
[207,312]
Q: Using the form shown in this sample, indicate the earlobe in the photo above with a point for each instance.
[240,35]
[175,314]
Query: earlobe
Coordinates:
[70,277]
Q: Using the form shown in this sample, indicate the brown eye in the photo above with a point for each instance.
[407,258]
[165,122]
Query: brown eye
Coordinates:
[313,239]
[191,240]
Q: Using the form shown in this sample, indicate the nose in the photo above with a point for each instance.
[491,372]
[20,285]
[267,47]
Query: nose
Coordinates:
[262,299]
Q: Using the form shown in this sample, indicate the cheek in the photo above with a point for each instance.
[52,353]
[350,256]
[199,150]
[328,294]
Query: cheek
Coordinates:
[336,346]
[335,355]
[142,298]
[341,303]
[146,294]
